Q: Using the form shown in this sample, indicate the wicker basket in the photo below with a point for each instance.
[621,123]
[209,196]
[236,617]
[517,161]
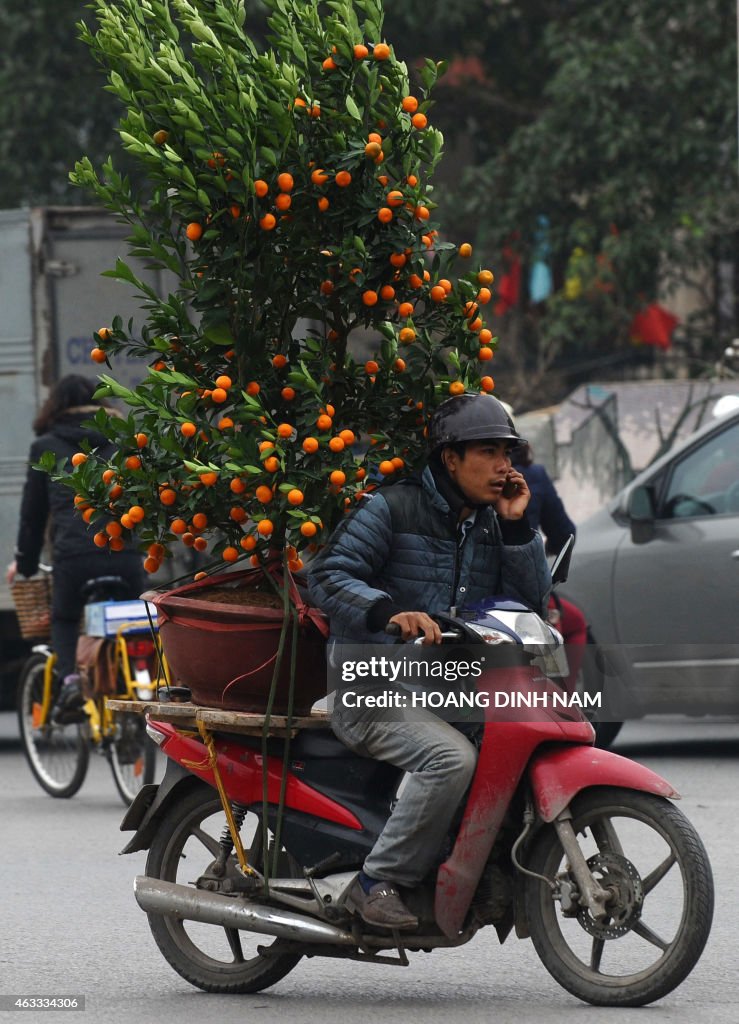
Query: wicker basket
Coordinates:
[32,600]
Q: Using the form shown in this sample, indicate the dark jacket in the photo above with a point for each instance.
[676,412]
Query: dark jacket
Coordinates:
[545,510]
[399,551]
[45,501]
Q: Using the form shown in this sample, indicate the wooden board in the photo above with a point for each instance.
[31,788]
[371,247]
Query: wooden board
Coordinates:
[188,716]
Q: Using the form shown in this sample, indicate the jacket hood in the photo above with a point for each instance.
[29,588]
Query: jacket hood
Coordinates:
[69,428]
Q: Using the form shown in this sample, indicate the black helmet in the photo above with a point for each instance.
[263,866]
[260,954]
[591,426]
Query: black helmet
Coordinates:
[471,418]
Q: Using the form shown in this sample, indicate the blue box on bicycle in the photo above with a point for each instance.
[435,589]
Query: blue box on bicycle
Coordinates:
[105,618]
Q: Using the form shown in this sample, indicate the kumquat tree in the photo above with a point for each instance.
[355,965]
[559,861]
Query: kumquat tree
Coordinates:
[289,197]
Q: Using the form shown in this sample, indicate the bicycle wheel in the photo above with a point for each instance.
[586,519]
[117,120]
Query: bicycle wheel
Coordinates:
[132,755]
[58,755]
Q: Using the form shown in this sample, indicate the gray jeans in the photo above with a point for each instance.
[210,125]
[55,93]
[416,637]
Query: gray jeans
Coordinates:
[441,762]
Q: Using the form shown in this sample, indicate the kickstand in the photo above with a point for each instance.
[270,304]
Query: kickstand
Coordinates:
[401,948]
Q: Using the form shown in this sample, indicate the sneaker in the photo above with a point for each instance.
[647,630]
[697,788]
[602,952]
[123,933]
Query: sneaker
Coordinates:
[381,906]
[69,706]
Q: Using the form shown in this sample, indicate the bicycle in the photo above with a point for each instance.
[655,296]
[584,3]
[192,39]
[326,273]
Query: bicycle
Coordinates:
[58,752]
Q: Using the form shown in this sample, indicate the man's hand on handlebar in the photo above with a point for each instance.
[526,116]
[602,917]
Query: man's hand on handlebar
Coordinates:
[413,624]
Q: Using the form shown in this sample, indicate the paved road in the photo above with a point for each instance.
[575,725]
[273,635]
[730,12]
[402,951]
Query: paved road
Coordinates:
[69,923]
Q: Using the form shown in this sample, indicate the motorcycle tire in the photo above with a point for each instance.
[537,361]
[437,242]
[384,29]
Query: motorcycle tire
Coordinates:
[606,733]
[593,680]
[644,849]
[58,755]
[132,755]
[210,957]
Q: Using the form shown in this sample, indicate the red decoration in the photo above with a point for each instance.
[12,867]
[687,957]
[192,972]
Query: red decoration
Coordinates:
[509,286]
[653,326]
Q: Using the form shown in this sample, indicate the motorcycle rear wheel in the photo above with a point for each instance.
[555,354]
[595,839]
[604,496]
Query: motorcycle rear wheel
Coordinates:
[648,852]
[209,957]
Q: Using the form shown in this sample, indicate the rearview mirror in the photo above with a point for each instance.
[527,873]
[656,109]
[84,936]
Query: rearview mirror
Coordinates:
[561,564]
[641,514]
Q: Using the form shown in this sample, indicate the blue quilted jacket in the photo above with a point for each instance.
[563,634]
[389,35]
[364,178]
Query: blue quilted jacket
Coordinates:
[401,545]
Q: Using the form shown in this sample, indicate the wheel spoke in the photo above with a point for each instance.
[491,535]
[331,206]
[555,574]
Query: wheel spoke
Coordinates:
[234,943]
[656,876]
[255,852]
[57,754]
[645,932]
[210,843]
[596,953]
[605,836]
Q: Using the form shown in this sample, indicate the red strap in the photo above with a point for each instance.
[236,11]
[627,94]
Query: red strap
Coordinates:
[225,627]
[304,610]
[247,674]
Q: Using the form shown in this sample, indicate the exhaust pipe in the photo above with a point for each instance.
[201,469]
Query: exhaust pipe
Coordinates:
[156,896]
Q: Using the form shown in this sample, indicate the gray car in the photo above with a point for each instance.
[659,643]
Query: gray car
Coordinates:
[656,574]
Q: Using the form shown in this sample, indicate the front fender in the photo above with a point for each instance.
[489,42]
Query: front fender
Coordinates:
[558,774]
[151,804]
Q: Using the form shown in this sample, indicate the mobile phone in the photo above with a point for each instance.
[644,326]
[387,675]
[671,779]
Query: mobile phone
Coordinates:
[510,489]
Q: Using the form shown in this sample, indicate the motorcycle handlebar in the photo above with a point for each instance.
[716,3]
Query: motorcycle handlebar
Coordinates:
[393,629]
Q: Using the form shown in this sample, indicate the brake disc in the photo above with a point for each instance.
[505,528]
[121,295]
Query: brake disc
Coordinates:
[618,875]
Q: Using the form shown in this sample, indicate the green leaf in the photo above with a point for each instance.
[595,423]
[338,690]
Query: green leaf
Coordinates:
[309,382]
[268,156]
[353,109]
[219,334]
[47,462]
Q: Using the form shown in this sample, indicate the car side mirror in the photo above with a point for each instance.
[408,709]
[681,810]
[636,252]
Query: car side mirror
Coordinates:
[641,514]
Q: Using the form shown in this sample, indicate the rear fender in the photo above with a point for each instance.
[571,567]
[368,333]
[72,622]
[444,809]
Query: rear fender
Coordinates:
[559,773]
[152,803]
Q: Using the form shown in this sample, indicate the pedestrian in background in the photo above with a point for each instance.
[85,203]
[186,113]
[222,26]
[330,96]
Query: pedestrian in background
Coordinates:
[47,505]
[546,512]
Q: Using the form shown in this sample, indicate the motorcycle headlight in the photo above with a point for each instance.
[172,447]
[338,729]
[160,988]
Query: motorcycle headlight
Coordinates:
[490,635]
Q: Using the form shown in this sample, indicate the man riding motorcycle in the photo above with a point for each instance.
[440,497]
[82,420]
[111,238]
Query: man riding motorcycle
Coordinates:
[443,539]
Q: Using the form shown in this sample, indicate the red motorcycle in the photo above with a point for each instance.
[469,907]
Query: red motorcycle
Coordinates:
[579,849]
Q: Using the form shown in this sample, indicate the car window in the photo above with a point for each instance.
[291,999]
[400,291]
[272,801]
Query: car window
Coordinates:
[705,481]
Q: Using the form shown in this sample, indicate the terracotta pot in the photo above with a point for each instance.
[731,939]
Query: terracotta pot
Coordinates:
[226,652]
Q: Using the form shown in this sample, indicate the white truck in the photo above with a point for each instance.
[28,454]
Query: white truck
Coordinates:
[52,299]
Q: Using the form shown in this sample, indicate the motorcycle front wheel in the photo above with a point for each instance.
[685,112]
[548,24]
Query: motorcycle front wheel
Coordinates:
[210,957]
[643,850]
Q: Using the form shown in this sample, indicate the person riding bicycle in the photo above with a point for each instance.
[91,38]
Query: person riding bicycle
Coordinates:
[45,502]
[452,535]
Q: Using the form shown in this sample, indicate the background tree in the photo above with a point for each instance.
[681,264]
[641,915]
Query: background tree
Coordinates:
[632,159]
[53,105]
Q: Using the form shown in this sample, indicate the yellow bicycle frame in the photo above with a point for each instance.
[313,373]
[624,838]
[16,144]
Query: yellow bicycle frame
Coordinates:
[100,716]
[46,698]
[101,719]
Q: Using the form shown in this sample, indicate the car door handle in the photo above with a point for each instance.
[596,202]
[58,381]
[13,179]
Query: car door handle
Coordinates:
[735,554]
